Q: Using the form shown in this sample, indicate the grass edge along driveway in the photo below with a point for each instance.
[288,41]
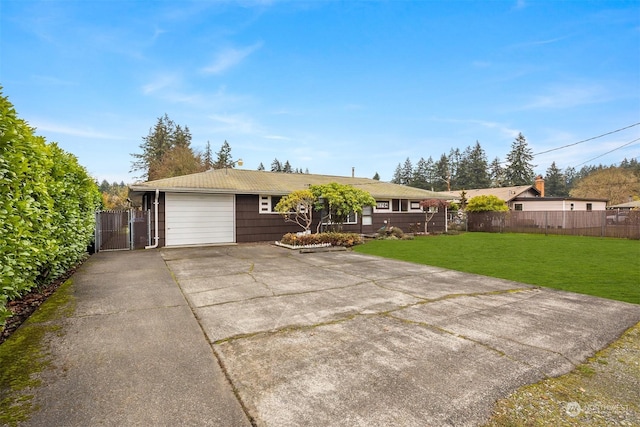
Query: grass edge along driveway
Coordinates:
[603,267]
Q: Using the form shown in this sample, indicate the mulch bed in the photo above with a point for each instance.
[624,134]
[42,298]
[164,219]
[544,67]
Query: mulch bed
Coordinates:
[23,307]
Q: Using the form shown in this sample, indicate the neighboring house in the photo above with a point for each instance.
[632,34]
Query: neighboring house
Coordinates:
[235,205]
[531,198]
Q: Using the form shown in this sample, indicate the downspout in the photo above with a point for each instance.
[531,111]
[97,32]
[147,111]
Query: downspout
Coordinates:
[156,237]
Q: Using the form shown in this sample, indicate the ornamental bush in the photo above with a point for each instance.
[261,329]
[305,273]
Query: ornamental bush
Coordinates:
[336,239]
[47,209]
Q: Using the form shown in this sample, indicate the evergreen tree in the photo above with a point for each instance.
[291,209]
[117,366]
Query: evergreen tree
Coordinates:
[554,182]
[207,158]
[454,160]
[276,166]
[287,167]
[519,170]
[223,157]
[260,167]
[397,175]
[406,173]
[158,156]
[496,173]
[376,177]
[442,177]
[421,175]
[477,167]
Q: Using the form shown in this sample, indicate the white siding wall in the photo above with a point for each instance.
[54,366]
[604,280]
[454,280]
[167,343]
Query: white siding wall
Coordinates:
[559,205]
[199,219]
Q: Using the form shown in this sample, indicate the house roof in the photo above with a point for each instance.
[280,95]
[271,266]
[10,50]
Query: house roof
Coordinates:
[505,193]
[629,205]
[239,181]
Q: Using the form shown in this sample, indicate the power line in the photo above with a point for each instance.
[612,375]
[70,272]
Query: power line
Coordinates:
[597,157]
[588,139]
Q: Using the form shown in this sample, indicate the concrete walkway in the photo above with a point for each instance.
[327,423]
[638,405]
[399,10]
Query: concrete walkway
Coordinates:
[132,354]
[319,339]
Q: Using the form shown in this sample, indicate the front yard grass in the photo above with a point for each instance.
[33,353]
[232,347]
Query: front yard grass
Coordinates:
[603,267]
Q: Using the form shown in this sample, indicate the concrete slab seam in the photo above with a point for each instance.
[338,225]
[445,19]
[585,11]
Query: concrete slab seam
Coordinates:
[216,356]
[288,294]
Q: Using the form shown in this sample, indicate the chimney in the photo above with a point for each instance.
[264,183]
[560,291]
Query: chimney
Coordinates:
[353,172]
[540,185]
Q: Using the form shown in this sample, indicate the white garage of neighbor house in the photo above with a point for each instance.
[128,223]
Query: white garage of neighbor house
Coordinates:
[236,206]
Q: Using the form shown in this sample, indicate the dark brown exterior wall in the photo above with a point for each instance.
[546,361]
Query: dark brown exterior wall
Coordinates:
[252,226]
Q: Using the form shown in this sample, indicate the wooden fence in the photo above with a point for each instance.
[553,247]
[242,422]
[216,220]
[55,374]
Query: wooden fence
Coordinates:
[622,224]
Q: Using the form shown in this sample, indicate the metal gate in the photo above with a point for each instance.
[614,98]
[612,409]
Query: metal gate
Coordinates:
[122,230]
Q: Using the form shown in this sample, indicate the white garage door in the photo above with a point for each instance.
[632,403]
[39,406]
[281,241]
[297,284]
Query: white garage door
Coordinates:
[199,219]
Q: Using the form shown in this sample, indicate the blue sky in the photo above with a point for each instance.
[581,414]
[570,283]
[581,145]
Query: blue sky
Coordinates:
[327,85]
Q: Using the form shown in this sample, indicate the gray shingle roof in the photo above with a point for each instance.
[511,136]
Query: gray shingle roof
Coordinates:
[504,193]
[239,181]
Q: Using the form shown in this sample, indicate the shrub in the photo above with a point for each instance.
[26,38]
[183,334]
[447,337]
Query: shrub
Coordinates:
[334,238]
[47,209]
[393,233]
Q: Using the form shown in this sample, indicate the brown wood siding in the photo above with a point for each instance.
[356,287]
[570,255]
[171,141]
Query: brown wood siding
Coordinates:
[252,226]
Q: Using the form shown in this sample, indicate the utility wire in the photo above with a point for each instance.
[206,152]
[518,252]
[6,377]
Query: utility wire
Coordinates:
[588,139]
[597,157]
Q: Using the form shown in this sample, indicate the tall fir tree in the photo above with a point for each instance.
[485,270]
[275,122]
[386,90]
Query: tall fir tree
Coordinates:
[442,174]
[165,143]
[496,173]
[223,157]
[421,175]
[554,182]
[207,158]
[406,173]
[519,170]
[276,166]
[397,175]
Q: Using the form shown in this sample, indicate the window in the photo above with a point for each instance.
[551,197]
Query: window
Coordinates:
[399,205]
[415,206]
[382,205]
[432,209]
[589,207]
[268,203]
[517,207]
[351,219]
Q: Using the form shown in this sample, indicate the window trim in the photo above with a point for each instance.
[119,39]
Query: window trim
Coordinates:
[266,205]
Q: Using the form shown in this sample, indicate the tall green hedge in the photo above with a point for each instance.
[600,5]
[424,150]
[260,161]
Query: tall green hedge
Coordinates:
[47,209]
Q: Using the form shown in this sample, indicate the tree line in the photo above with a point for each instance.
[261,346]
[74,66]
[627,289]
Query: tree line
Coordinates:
[470,169]
[166,152]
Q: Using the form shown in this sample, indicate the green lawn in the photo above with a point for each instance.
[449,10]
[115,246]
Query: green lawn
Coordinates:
[603,267]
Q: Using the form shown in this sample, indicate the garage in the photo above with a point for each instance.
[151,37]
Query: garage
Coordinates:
[199,219]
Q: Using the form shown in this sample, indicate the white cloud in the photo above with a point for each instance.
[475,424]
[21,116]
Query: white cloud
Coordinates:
[567,97]
[235,123]
[72,131]
[230,57]
[161,82]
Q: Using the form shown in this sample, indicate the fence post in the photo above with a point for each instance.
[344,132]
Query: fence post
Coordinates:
[96,233]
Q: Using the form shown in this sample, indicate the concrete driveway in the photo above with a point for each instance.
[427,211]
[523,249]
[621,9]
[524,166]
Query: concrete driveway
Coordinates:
[344,339]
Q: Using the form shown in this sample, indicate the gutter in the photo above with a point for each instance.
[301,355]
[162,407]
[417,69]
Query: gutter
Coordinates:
[157,236]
